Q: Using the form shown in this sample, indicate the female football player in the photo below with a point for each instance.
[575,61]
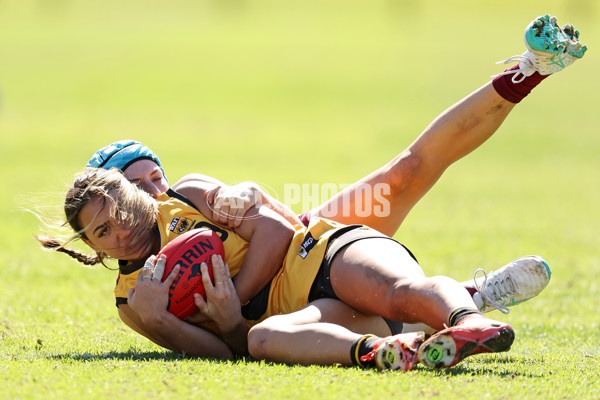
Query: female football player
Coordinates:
[126,154]
[322,332]
[455,133]
[505,94]
[364,269]
[452,135]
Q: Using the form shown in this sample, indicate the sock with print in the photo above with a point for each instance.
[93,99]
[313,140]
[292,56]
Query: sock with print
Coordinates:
[361,347]
[459,314]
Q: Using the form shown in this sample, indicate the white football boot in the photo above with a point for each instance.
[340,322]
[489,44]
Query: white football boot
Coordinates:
[550,48]
[516,282]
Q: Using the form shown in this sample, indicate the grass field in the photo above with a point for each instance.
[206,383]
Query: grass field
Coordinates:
[236,89]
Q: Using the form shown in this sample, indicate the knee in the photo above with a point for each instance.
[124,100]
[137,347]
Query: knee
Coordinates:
[404,169]
[259,338]
[407,298]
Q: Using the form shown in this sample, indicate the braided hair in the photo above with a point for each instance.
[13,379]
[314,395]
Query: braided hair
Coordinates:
[129,206]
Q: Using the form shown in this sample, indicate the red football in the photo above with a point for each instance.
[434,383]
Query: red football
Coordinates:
[189,250]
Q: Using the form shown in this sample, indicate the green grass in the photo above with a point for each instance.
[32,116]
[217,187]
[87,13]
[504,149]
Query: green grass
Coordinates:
[237,89]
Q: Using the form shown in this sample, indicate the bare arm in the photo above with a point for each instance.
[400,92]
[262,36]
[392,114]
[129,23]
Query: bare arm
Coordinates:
[146,313]
[280,208]
[173,334]
[229,203]
[197,178]
[269,235]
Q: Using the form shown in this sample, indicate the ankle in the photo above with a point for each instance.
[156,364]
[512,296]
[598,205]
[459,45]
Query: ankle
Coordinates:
[360,348]
[515,92]
[458,315]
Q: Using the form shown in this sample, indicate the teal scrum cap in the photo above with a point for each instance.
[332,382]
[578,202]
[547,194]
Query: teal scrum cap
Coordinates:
[121,155]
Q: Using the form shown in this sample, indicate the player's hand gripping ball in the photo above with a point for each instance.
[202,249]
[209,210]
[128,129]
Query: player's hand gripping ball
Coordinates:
[189,250]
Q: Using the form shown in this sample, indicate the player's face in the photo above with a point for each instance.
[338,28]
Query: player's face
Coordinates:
[148,176]
[105,234]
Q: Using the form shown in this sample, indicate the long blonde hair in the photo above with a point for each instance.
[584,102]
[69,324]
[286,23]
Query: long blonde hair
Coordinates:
[129,206]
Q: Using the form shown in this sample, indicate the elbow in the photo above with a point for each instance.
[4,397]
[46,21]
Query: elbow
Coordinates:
[281,229]
[288,232]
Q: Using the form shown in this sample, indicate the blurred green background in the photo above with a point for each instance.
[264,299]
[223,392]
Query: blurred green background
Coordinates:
[300,92]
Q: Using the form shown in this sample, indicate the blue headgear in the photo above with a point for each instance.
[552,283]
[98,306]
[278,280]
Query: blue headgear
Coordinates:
[121,155]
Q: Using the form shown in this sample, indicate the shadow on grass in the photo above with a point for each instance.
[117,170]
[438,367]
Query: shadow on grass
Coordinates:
[505,367]
[132,355]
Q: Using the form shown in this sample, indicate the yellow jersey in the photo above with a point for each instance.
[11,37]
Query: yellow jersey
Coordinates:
[289,289]
[177,215]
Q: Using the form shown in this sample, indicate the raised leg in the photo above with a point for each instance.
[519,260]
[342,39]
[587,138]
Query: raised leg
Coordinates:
[455,133]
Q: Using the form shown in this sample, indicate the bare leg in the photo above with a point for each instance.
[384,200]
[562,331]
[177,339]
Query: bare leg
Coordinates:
[378,276]
[455,133]
[390,284]
[321,333]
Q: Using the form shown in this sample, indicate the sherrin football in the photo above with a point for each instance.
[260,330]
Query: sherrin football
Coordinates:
[189,250]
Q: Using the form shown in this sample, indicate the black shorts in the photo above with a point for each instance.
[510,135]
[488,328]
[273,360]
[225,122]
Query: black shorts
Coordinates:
[322,288]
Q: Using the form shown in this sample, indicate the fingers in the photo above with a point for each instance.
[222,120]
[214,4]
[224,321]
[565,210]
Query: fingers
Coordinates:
[153,268]
[200,303]
[231,203]
[221,209]
[227,271]
[130,295]
[208,285]
[210,195]
[146,271]
[172,275]
[150,273]
[219,270]
[145,274]
[159,269]
[229,280]
[221,273]
[221,278]
[238,218]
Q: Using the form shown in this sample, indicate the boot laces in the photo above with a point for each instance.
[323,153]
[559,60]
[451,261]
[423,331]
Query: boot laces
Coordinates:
[525,68]
[500,288]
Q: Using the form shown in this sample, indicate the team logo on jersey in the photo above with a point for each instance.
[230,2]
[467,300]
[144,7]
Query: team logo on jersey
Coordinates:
[307,245]
[180,225]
